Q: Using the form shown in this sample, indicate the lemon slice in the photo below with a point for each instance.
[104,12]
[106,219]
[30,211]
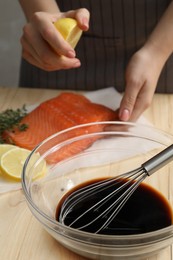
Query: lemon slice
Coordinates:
[12,163]
[5,147]
[69,30]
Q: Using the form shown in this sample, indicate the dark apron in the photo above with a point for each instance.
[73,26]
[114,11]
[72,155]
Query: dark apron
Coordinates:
[117,29]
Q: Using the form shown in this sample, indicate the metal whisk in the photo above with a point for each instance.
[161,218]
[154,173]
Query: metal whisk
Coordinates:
[111,195]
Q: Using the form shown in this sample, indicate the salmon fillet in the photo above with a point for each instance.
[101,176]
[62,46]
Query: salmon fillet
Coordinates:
[59,113]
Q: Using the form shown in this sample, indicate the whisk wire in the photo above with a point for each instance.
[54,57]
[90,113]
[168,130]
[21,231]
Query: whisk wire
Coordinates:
[125,197]
[130,178]
[82,193]
[127,183]
[120,201]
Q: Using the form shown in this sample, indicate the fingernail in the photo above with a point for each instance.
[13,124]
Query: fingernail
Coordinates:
[85,23]
[71,54]
[124,115]
[77,64]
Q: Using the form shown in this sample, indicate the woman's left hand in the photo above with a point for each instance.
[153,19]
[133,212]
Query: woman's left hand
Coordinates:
[142,75]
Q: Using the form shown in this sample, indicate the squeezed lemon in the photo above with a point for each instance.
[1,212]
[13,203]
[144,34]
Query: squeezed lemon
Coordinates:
[69,29]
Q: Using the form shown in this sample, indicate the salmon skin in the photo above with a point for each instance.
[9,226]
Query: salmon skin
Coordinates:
[62,112]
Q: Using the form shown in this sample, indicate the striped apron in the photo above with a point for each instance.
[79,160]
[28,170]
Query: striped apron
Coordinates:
[118,28]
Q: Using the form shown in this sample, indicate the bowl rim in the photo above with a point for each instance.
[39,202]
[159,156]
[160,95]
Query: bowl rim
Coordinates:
[108,238]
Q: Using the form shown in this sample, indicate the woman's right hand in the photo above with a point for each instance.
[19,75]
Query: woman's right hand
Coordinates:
[44,47]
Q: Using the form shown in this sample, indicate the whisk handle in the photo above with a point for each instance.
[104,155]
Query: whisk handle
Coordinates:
[159,160]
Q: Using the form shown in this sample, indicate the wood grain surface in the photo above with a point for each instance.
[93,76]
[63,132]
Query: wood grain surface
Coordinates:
[21,236]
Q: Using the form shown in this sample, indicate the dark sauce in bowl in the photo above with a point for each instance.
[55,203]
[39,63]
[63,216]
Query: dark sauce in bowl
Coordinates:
[145,211]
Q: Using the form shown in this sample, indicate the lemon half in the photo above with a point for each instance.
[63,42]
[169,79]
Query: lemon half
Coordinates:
[69,29]
[12,163]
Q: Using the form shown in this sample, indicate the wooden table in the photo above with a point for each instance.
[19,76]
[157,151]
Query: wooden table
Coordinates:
[21,236]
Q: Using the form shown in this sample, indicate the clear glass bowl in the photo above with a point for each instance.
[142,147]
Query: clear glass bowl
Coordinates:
[111,148]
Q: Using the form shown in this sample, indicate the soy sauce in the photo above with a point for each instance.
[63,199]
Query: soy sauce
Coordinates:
[145,211]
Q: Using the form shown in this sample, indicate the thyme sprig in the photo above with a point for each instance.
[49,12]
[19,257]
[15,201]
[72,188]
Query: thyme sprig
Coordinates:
[11,118]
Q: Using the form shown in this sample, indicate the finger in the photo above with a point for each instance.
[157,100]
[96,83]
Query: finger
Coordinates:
[41,48]
[143,101]
[128,103]
[27,49]
[52,36]
[62,62]
[41,51]
[31,59]
[82,15]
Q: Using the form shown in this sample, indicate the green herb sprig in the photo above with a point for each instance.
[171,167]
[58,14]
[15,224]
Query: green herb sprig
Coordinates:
[11,118]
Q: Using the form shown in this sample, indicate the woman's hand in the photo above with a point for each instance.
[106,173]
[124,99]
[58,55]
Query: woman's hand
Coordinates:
[145,67]
[142,75]
[44,47]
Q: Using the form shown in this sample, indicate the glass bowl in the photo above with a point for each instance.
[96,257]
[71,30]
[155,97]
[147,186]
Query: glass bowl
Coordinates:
[85,152]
